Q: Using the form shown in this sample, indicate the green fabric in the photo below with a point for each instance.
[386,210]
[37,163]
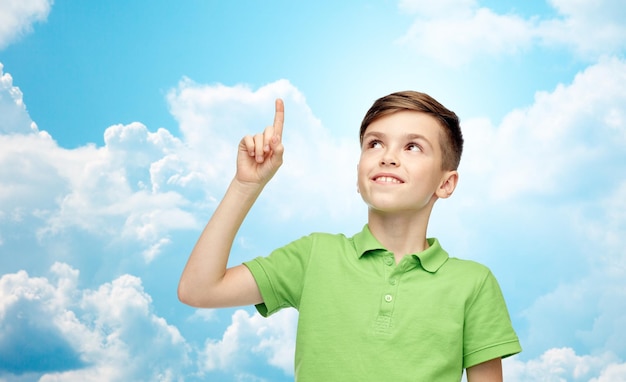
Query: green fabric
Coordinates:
[364,318]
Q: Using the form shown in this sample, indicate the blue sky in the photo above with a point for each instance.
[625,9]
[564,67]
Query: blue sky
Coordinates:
[118,129]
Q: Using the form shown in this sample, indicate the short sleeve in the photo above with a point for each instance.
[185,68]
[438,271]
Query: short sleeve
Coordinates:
[280,276]
[488,332]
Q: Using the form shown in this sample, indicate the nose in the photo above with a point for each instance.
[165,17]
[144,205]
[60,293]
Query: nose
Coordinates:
[389,159]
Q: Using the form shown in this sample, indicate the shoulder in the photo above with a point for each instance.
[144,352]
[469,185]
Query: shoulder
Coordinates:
[469,274]
[314,242]
[467,266]
[327,249]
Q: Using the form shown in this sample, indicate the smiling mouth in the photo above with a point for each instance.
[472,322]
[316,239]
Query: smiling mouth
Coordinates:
[387,179]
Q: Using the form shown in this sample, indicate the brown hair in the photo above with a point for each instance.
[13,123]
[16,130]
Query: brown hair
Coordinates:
[452,142]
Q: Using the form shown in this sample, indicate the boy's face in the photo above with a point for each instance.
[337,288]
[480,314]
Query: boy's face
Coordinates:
[400,165]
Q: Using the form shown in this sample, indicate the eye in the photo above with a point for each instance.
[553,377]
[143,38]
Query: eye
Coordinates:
[413,147]
[374,144]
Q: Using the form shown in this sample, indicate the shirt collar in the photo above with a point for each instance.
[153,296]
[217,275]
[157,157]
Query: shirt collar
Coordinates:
[431,258]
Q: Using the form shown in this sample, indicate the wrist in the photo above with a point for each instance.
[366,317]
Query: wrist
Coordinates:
[243,188]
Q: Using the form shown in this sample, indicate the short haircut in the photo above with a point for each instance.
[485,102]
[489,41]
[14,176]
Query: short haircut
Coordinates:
[452,142]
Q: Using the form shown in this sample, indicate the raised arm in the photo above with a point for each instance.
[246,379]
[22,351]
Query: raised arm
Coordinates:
[206,282]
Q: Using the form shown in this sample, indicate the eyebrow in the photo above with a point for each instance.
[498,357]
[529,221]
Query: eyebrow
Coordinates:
[378,134]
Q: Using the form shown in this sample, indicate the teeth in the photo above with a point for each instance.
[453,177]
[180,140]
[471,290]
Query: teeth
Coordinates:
[387,179]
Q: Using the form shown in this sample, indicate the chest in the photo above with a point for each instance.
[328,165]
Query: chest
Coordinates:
[377,298]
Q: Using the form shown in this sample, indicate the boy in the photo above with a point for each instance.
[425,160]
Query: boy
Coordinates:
[387,304]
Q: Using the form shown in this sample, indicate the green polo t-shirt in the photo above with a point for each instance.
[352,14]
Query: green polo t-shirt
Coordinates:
[364,318]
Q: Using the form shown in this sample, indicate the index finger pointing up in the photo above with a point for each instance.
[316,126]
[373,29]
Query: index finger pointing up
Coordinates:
[279,118]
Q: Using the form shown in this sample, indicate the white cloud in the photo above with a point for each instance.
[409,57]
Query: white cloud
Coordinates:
[204,315]
[563,364]
[570,139]
[614,372]
[85,335]
[589,27]
[607,225]
[31,180]
[126,190]
[248,335]
[455,32]
[591,310]
[437,8]
[18,16]
[319,169]
[141,186]
[15,118]
[590,313]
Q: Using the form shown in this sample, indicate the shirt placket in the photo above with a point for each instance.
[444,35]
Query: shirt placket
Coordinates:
[384,319]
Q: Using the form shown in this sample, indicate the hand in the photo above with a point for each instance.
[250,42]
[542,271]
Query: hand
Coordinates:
[260,156]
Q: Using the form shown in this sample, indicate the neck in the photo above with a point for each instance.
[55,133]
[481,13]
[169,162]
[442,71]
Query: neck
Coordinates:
[400,234]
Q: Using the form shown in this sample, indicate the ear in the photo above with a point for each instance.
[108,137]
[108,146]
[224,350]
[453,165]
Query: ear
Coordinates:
[448,184]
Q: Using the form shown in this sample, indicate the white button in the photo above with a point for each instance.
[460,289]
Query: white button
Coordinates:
[388,297]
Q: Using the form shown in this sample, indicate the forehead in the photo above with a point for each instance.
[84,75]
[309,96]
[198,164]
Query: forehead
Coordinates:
[406,122]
